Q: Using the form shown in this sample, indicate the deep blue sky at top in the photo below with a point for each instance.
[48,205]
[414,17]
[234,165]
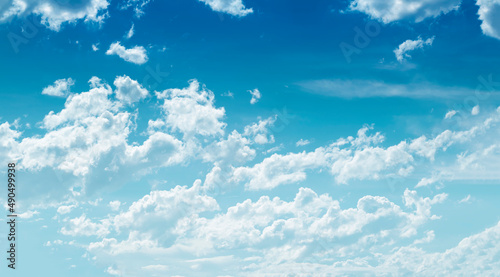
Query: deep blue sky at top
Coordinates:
[280,44]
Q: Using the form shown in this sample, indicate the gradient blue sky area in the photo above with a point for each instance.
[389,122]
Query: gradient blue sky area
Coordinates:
[237,138]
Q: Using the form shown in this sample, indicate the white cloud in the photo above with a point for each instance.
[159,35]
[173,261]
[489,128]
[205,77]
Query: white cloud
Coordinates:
[279,169]
[138,6]
[473,255]
[191,110]
[450,114]
[55,13]
[376,88]
[489,11]
[346,159]
[475,110]
[260,230]
[165,206]
[428,238]
[428,181]
[64,209]
[95,47]
[302,142]
[28,214]
[255,96]
[261,132]
[156,267]
[235,149]
[113,271]
[89,126]
[393,10]
[114,205]
[409,45]
[61,88]
[137,54]
[465,199]
[232,7]
[129,91]
[82,226]
[130,32]
[8,143]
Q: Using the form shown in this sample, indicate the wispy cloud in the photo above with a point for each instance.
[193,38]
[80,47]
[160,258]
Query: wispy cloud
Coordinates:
[374,88]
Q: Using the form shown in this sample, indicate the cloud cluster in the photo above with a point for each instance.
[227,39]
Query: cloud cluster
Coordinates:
[191,110]
[136,54]
[409,45]
[60,88]
[195,230]
[393,10]
[261,231]
[55,13]
[232,7]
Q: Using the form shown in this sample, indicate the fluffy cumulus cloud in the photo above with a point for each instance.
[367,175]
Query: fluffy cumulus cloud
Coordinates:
[232,7]
[489,12]
[60,88]
[393,10]
[55,13]
[201,230]
[255,96]
[409,45]
[90,132]
[356,158]
[128,90]
[191,110]
[310,229]
[136,54]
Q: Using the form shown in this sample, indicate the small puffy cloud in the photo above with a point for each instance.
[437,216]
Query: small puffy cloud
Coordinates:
[261,132]
[95,47]
[302,142]
[410,45]
[255,96]
[489,12]
[450,114]
[393,10]
[115,205]
[232,7]
[60,88]
[129,91]
[54,13]
[475,110]
[137,54]
[64,209]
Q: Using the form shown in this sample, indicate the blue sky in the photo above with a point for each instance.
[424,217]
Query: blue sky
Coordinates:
[252,137]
